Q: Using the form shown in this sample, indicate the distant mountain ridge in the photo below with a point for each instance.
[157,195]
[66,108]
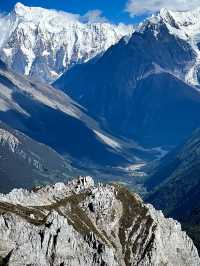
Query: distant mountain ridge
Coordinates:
[42,43]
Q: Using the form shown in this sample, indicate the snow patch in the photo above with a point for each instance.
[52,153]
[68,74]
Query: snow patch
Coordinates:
[107,140]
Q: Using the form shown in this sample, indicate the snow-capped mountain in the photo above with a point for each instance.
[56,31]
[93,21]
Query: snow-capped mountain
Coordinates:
[186,26]
[42,43]
[81,223]
[147,86]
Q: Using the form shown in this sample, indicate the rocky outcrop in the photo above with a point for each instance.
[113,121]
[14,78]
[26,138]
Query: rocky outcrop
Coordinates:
[82,224]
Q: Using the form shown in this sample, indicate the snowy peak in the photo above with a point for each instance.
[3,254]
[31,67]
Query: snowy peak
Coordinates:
[20,9]
[183,22]
[184,27]
[39,15]
[42,43]
[183,18]
[186,24]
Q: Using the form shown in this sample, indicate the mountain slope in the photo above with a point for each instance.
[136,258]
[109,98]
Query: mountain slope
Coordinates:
[82,224]
[51,117]
[175,185]
[178,172]
[141,85]
[27,163]
[43,43]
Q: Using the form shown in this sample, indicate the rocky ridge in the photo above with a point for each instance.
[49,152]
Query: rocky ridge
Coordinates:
[81,223]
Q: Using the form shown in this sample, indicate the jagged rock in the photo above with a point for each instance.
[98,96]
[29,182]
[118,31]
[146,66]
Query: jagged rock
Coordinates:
[56,225]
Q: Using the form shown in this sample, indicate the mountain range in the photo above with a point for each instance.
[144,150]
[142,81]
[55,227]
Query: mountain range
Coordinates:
[147,86]
[148,90]
[81,97]
[42,43]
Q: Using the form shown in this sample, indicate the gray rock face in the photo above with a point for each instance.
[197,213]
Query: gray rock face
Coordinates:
[83,224]
[42,43]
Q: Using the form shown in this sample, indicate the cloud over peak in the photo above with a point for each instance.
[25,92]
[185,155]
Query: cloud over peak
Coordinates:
[142,7]
[94,16]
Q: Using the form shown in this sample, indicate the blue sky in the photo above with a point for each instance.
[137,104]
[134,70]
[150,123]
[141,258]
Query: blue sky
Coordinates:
[113,10]
[127,11]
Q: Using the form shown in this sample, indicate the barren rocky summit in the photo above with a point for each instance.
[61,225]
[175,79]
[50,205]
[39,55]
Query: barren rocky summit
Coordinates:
[81,223]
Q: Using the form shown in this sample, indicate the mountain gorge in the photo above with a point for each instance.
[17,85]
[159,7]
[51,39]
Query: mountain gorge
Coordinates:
[142,84]
[42,43]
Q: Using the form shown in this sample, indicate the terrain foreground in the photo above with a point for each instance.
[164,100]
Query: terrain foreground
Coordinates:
[81,223]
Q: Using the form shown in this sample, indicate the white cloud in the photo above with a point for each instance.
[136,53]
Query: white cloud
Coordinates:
[94,16]
[141,7]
